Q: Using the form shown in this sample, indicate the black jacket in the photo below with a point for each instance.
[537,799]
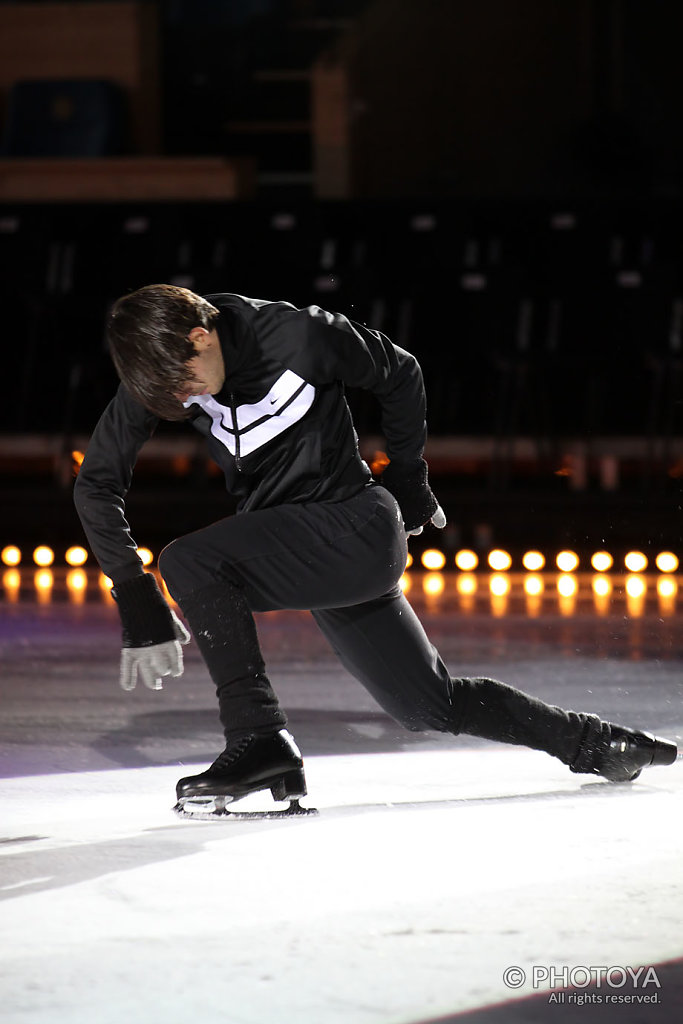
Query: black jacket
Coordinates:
[279,428]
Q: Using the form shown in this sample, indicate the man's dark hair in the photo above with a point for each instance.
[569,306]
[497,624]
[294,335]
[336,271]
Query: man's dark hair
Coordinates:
[148,337]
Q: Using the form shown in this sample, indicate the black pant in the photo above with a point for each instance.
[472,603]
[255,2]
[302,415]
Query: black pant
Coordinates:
[342,561]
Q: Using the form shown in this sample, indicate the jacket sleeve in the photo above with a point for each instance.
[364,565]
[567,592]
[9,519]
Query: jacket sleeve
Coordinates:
[325,347]
[104,480]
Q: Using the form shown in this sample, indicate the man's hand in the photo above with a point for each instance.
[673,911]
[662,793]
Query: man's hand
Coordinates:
[152,634]
[408,484]
[152,663]
[438,520]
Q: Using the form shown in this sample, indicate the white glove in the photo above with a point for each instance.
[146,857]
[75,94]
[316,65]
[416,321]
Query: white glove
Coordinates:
[438,520]
[155,661]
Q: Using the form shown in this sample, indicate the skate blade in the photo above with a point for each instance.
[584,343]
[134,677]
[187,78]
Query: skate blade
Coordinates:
[215,809]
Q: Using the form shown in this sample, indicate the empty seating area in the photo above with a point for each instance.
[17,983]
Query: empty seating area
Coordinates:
[529,319]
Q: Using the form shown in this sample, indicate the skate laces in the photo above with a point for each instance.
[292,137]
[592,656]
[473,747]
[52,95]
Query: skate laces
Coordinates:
[233,753]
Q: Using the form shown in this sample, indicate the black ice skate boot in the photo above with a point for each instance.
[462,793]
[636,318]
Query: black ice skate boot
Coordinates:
[626,754]
[253,763]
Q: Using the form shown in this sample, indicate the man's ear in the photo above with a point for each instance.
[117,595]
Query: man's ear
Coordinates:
[199,336]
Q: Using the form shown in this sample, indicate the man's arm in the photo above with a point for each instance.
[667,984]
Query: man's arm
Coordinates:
[104,480]
[151,632]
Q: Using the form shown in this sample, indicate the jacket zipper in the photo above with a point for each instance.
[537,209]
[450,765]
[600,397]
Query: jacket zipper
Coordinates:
[233,411]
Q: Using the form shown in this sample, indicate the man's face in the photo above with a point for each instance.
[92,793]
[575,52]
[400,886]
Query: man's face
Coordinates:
[206,371]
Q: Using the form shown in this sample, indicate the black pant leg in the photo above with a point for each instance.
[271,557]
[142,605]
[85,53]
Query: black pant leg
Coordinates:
[225,632]
[383,644]
[286,557]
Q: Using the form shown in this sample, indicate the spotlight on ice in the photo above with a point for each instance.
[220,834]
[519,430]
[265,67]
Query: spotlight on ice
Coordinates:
[43,580]
[433,584]
[635,585]
[466,584]
[499,585]
[567,585]
[601,585]
[76,584]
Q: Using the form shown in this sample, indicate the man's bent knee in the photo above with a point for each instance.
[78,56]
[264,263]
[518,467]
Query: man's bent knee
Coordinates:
[183,569]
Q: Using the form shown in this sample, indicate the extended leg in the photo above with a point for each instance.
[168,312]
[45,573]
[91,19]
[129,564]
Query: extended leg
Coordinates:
[382,643]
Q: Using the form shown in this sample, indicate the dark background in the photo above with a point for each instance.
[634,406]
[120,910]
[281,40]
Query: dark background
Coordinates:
[497,186]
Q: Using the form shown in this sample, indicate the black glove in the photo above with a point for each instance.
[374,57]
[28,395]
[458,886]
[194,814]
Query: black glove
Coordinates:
[407,481]
[152,633]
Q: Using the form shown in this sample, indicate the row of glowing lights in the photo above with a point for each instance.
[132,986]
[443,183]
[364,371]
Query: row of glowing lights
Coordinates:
[534,561]
[432,559]
[567,585]
[433,585]
[44,556]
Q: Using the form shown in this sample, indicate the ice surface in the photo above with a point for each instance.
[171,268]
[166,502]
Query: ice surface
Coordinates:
[425,875]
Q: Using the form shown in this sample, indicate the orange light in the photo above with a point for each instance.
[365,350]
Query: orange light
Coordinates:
[636,589]
[76,582]
[466,560]
[405,583]
[602,590]
[76,556]
[567,585]
[666,561]
[181,465]
[567,561]
[43,555]
[533,588]
[11,581]
[601,585]
[43,580]
[602,561]
[635,586]
[409,560]
[11,555]
[533,561]
[499,584]
[146,556]
[104,582]
[76,462]
[667,589]
[378,462]
[499,560]
[499,587]
[433,559]
[533,585]
[433,584]
[635,561]
[567,588]
[466,584]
